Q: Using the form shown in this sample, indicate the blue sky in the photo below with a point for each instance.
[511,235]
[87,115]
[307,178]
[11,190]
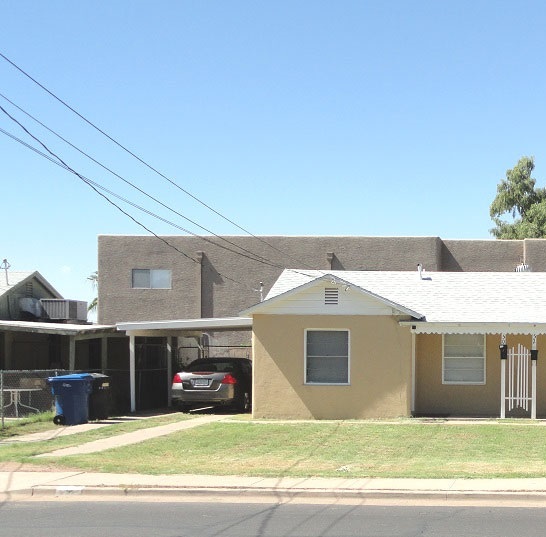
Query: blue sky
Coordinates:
[289,117]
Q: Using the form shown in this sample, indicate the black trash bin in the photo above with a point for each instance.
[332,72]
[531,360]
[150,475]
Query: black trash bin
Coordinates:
[71,398]
[99,398]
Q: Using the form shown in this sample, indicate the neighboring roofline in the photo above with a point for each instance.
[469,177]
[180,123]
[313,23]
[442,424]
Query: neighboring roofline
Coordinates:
[423,327]
[40,278]
[47,284]
[214,323]
[336,280]
[56,328]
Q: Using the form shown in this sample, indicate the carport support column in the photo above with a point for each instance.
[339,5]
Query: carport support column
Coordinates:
[503,355]
[170,346]
[413,371]
[8,338]
[72,353]
[534,358]
[132,377]
[104,353]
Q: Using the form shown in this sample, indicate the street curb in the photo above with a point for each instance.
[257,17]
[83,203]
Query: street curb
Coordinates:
[281,494]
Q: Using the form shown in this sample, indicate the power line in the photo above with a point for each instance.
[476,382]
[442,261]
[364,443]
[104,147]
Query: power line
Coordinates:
[257,256]
[96,187]
[57,160]
[54,158]
[149,166]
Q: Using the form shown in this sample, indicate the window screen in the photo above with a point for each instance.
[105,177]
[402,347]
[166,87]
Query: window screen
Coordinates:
[327,357]
[464,359]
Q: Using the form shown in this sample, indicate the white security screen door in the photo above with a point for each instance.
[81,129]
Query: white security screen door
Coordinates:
[518,382]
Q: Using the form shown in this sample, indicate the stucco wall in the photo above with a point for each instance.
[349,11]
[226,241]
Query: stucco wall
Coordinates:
[216,282]
[482,255]
[380,369]
[223,283]
[436,399]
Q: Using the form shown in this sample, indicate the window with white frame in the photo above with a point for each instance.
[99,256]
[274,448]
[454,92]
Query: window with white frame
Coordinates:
[327,357]
[151,279]
[464,359]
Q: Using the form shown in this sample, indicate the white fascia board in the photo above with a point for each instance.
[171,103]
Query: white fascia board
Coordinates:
[420,327]
[55,328]
[220,323]
[262,307]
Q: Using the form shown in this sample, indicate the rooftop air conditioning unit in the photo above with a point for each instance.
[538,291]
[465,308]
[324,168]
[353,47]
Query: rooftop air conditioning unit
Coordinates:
[64,310]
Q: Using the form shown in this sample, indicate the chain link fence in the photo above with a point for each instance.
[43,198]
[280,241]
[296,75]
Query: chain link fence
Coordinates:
[23,393]
[26,393]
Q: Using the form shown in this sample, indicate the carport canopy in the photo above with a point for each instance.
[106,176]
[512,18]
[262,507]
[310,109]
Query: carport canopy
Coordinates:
[74,332]
[179,327]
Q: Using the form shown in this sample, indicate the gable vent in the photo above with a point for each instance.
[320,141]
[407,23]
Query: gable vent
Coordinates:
[331,295]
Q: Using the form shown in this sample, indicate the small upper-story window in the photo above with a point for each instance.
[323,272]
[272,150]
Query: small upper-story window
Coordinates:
[151,279]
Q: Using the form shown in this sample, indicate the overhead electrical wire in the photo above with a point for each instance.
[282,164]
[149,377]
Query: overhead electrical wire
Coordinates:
[149,166]
[96,188]
[54,158]
[257,256]
[125,200]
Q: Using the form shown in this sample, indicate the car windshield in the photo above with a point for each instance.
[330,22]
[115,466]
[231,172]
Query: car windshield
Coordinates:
[221,367]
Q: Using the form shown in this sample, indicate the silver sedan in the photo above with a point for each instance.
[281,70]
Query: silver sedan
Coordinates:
[214,381]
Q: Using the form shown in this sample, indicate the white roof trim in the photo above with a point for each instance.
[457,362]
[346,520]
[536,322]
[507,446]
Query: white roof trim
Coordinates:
[20,278]
[55,328]
[475,328]
[219,323]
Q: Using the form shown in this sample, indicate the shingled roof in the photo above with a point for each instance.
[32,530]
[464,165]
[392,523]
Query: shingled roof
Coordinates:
[437,297]
[17,278]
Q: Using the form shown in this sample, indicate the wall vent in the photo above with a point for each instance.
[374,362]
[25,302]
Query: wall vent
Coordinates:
[64,310]
[331,295]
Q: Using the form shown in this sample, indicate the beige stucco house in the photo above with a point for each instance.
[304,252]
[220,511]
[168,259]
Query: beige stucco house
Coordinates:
[367,344]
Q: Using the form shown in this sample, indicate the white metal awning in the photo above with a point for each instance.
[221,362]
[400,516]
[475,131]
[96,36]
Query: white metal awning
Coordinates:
[475,328]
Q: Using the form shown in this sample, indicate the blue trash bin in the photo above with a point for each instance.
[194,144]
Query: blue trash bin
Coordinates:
[71,398]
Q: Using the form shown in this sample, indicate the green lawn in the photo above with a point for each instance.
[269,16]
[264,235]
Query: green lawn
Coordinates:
[11,450]
[340,449]
[33,424]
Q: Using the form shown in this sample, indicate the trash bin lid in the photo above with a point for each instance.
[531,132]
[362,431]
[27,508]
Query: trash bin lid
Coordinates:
[73,377]
[98,375]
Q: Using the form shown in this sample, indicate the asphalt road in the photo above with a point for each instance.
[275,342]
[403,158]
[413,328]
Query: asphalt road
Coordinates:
[163,519]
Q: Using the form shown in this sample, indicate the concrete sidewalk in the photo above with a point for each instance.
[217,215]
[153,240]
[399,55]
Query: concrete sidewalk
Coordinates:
[134,437]
[51,485]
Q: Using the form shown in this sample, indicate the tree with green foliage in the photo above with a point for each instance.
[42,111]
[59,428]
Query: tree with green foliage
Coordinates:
[94,279]
[518,196]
